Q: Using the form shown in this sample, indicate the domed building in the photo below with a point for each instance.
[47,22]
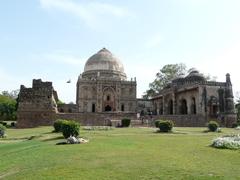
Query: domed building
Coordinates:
[192,100]
[103,86]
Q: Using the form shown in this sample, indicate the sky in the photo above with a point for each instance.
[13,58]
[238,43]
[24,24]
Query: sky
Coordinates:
[52,39]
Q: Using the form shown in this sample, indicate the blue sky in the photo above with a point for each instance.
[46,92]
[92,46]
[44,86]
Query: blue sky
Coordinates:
[52,39]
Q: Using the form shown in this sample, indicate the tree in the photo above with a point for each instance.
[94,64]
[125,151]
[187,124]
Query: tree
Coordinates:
[8,105]
[163,77]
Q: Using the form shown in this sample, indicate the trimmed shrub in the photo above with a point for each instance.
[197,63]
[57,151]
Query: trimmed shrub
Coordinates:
[58,125]
[165,125]
[234,125]
[70,128]
[126,122]
[3,123]
[2,130]
[213,126]
[157,123]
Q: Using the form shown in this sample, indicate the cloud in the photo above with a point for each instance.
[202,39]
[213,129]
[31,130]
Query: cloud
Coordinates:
[91,13]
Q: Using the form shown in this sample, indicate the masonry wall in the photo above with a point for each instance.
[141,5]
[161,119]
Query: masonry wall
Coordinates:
[96,119]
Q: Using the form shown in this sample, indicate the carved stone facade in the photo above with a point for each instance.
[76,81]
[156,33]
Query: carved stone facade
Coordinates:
[103,86]
[195,96]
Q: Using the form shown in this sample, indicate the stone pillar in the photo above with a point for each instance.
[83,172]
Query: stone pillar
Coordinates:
[174,103]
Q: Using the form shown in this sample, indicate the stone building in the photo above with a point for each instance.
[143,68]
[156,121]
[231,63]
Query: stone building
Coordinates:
[103,87]
[37,105]
[192,101]
[103,94]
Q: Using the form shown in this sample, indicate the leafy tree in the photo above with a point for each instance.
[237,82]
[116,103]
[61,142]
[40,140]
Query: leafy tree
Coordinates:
[163,77]
[8,105]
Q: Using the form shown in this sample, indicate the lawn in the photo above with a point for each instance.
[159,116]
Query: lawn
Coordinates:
[120,153]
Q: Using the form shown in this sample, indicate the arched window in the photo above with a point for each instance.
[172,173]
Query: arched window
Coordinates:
[108,98]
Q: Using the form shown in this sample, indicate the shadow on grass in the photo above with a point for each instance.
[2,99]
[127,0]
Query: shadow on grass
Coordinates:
[170,132]
[54,138]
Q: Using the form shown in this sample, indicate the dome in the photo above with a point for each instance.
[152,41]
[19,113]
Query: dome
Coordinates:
[103,60]
[194,75]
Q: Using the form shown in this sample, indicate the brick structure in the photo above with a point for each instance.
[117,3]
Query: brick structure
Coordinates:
[37,105]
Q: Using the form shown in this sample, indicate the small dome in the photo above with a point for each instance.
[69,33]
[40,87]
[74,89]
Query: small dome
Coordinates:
[194,75]
[103,60]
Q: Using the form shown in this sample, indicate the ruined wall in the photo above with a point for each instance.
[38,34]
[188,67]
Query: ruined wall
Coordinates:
[37,105]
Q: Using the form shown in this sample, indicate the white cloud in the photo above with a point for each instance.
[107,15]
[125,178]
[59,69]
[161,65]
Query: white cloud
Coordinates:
[91,13]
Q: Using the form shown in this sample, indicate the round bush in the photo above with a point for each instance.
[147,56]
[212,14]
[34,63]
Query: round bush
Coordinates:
[3,123]
[234,125]
[213,126]
[157,123]
[165,125]
[2,130]
[58,125]
[70,128]
[126,122]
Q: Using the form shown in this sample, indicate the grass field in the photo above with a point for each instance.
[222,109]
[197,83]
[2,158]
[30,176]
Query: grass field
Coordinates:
[123,153]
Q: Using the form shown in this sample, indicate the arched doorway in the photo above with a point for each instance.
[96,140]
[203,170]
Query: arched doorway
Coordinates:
[109,99]
[170,107]
[193,106]
[108,108]
[183,107]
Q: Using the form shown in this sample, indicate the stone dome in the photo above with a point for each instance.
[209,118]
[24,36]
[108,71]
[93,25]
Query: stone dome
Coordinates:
[194,75]
[103,60]
[104,64]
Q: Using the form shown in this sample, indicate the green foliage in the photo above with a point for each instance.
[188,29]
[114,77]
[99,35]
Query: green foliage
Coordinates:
[213,126]
[165,125]
[234,125]
[8,105]
[164,76]
[70,128]
[157,123]
[58,125]
[2,130]
[3,123]
[59,102]
[126,122]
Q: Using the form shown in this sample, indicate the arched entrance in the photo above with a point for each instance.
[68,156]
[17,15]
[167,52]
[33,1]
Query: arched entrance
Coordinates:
[108,108]
[109,99]
[183,107]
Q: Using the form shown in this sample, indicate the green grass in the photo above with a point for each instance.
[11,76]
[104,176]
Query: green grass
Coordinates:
[123,153]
